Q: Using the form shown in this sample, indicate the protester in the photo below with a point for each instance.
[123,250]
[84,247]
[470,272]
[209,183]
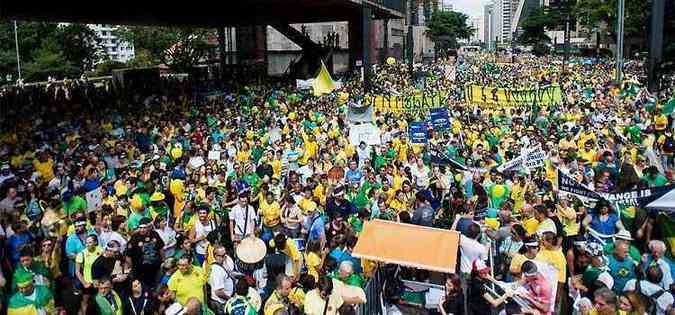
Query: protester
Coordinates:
[546,173]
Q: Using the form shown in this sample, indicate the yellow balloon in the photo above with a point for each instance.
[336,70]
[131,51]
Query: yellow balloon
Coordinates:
[499,191]
[136,202]
[391,60]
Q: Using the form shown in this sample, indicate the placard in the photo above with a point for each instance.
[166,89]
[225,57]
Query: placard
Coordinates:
[418,132]
[94,199]
[367,133]
[440,118]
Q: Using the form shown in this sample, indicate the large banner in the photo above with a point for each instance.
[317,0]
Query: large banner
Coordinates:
[418,103]
[639,197]
[493,97]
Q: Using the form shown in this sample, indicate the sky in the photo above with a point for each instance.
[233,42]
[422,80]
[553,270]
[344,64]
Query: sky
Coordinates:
[473,8]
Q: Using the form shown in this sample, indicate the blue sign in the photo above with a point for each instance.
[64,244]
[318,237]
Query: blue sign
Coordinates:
[418,132]
[440,118]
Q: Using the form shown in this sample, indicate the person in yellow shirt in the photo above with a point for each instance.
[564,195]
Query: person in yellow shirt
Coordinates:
[553,255]
[270,210]
[244,154]
[188,282]
[44,165]
[588,153]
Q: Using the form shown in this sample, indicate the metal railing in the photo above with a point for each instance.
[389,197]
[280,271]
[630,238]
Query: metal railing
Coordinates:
[373,289]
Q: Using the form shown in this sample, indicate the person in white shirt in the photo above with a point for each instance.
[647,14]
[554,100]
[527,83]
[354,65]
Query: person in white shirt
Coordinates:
[199,233]
[471,251]
[168,236]
[243,219]
[421,174]
[109,233]
[650,288]
[220,279]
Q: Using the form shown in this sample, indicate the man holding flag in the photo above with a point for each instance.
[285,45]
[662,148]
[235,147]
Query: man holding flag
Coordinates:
[31,299]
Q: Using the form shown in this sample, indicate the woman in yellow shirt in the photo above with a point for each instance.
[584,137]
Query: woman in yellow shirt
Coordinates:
[270,211]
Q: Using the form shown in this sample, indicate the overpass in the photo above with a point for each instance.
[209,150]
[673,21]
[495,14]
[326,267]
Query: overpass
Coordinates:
[219,14]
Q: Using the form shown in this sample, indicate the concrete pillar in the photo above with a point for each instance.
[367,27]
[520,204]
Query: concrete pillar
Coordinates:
[385,45]
[655,43]
[221,50]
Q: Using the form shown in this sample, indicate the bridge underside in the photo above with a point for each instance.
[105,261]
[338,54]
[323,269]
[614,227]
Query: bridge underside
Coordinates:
[204,13]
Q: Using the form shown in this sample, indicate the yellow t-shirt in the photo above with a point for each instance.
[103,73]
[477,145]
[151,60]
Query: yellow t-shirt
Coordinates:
[315,305]
[555,258]
[187,286]
[660,122]
[243,156]
[46,169]
[271,213]
[86,259]
[276,168]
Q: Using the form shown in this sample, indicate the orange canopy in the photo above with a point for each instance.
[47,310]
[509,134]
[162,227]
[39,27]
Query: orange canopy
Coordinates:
[408,245]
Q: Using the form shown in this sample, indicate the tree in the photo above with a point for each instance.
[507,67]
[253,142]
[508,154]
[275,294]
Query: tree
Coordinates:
[80,45]
[602,14]
[178,47]
[534,29]
[48,49]
[446,27]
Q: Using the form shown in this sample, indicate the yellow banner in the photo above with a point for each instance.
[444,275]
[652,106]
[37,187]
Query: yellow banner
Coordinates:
[500,97]
[411,104]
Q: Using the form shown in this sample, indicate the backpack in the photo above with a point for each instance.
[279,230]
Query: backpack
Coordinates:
[651,300]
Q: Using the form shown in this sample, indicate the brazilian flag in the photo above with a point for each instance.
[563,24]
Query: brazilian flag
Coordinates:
[20,305]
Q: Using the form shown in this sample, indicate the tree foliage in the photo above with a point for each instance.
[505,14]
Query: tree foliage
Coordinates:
[534,28]
[47,49]
[446,27]
[603,14]
[177,47]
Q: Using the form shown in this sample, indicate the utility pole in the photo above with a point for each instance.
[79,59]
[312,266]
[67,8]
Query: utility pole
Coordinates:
[16,41]
[619,42]
[567,36]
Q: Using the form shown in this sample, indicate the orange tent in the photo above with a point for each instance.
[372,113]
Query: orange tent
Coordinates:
[408,245]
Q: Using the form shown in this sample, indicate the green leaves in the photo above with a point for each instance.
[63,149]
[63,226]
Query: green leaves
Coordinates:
[178,47]
[446,27]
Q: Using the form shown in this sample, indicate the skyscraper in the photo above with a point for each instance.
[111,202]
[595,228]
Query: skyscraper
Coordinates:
[489,25]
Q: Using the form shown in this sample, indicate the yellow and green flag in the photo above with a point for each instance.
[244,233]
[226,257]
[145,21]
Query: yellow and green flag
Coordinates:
[323,83]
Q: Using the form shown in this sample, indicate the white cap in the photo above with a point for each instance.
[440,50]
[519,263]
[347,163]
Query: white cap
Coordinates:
[623,235]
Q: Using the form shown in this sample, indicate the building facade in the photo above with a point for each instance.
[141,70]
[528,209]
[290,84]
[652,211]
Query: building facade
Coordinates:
[489,26]
[114,48]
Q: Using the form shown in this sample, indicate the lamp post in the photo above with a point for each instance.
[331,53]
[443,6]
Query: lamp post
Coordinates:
[619,42]
[18,59]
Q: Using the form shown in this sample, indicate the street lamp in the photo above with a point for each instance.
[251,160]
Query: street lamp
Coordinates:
[18,59]
[619,42]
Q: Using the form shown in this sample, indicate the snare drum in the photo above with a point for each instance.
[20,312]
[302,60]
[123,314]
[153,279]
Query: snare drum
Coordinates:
[250,252]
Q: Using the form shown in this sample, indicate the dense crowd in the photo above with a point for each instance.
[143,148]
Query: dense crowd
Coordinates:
[252,202]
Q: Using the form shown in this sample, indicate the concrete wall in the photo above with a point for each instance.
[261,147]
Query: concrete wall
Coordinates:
[278,61]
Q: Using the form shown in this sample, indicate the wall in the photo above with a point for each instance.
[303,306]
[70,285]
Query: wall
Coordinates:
[278,61]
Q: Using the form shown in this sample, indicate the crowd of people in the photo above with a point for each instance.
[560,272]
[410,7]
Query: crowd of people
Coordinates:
[252,203]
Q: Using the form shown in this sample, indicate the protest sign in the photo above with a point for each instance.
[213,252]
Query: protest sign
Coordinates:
[488,96]
[367,133]
[418,132]
[358,113]
[214,155]
[638,197]
[196,162]
[440,118]
[94,199]
[530,158]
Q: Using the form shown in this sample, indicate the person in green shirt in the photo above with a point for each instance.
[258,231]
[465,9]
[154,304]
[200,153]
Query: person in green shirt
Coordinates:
[31,299]
[108,302]
[347,275]
[653,178]
[39,272]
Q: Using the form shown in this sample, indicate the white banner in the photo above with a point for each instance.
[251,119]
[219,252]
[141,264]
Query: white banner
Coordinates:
[367,133]
[530,158]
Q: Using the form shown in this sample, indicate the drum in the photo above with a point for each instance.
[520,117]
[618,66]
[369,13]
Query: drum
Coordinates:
[250,254]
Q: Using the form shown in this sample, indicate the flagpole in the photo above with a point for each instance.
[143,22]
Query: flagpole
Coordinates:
[18,59]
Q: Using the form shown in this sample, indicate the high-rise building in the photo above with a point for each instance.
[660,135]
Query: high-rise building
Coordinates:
[523,9]
[113,46]
[489,25]
[477,24]
[504,11]
[446,5]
